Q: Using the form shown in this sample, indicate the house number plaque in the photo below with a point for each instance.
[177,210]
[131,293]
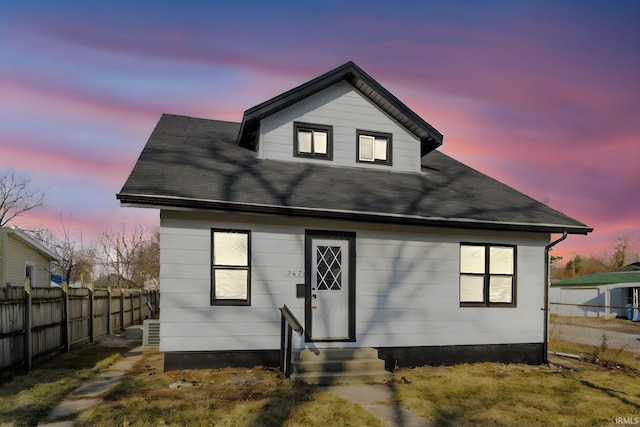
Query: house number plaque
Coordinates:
[295,272]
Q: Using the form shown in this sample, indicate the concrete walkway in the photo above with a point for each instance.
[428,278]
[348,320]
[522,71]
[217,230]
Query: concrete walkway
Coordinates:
[90,394]
[381,401]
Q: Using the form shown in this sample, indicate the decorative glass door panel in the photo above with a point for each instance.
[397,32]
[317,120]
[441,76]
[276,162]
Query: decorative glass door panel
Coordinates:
[329,267]
[330,288]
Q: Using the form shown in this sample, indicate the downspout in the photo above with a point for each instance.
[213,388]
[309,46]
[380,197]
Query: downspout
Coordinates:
[547,249]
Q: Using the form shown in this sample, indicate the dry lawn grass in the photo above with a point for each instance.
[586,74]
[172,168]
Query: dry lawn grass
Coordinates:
[597,354]
[26,397]
[478,394]
[225,397]
[508,395]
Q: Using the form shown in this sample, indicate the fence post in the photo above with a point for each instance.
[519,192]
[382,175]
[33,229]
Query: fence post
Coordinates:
[109,310]
[122,310]
[27,323]
[140,306]
[90,315]
[66,323]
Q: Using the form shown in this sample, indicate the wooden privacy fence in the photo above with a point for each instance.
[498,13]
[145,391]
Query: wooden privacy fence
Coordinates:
[39,323]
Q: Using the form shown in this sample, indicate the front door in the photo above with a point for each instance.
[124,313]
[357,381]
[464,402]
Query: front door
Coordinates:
[331,286]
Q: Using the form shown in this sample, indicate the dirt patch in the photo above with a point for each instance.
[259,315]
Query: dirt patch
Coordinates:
[571,363]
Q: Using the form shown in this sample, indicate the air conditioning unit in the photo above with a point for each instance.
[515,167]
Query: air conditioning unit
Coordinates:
[151,333]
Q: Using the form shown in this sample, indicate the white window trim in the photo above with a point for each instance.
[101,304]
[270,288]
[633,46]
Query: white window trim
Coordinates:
[31,264]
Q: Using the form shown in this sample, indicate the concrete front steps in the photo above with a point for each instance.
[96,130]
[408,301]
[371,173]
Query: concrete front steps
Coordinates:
[339,366]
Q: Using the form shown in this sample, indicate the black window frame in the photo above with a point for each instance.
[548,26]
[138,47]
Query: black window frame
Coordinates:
[487,275]
[313,127]
[214,267]
[375,134]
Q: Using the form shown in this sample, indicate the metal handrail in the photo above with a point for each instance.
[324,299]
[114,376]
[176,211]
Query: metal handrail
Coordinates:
[289,323]
[291,319]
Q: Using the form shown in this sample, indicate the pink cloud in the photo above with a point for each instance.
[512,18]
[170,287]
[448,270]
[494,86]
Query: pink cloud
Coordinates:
[60,161]
[195,45]
[572,169]
[38,95]
[87,223]
[548,106]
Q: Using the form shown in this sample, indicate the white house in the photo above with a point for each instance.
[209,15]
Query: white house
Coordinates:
[23,259]
[333,199]
[603,294]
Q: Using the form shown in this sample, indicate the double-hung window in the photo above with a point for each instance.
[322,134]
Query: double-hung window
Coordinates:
[487,275]
[230,267]
[374,147]
[315,141]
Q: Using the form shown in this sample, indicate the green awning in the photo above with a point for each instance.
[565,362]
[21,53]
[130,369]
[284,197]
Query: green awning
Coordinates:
[595,279]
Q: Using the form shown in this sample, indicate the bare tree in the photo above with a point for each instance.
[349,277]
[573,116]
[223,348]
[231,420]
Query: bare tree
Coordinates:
[122,249]
[17,195]
[146,262]
[75,262]
[85,264]
[623,252]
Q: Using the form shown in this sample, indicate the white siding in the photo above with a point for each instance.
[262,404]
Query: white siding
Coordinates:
[589,301]
[185,282]
[344,108]
[17,256]
[406,285]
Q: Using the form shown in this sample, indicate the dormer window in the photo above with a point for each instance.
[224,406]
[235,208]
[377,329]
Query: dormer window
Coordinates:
[314,141]
[374,147]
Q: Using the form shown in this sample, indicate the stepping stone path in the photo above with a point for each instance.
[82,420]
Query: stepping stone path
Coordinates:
[90,394]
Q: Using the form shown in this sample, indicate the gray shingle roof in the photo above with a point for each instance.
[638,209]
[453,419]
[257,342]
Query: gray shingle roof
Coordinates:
[197,163]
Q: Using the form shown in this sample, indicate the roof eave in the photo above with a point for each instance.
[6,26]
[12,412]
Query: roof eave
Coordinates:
[171,202]
[40,248]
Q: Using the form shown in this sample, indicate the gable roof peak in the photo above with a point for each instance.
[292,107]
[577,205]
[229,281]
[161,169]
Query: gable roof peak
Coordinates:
[30,241]
[429,137]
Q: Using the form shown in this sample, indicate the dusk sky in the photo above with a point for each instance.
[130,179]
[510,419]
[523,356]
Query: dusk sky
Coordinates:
[542,95]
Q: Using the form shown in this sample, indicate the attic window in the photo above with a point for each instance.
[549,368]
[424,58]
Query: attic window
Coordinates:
[374,147]
[314,141]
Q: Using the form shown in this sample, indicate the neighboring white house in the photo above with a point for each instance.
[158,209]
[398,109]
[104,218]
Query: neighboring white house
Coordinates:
[332,198]
[605,294]
[22,259]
